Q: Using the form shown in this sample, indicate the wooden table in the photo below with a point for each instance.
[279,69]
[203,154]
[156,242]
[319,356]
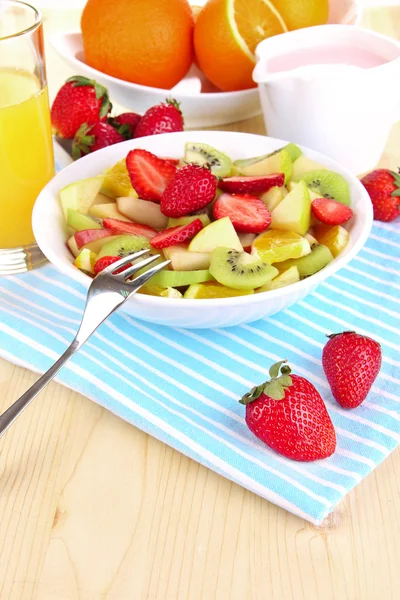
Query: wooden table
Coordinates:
[93,509]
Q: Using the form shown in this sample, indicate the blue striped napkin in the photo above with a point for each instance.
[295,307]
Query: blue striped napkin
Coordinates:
[182,386]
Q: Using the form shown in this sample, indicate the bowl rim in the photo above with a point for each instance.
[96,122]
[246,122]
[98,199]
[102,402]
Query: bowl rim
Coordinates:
[137,86]
[155,301]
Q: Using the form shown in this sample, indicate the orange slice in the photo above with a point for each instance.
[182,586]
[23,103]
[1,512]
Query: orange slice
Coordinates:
[225,36]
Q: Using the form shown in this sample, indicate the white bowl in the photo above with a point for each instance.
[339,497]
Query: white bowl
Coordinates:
[202,104]
[50,231]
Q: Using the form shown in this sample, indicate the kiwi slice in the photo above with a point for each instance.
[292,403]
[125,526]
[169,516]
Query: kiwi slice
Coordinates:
[307,265]
[122,245]
[201,154]
[240,270]
[167,279]
[327,184]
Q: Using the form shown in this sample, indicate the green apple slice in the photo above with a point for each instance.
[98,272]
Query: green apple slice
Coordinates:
[174,222]
[279,162]
[293,213]
[78,221]
[183,260]
[273,196]
[220,233]
[80,195]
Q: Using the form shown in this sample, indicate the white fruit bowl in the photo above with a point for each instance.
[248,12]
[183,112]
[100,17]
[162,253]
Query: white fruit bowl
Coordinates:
[202,104]
[50,231]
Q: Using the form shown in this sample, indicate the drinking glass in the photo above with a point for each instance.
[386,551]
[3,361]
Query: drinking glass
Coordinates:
[26,151]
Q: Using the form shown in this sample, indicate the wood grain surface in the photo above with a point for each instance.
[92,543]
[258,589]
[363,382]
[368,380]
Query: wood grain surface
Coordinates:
[93,509]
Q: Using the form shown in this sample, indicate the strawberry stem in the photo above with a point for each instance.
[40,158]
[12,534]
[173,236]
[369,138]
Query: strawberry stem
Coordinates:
[275,387]
[332,335]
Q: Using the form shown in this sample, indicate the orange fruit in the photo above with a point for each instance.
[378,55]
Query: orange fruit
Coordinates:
[226,34]
[303,13]
[149,42]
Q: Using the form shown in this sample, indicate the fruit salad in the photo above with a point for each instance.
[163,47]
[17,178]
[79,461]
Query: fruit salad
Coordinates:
[229,228]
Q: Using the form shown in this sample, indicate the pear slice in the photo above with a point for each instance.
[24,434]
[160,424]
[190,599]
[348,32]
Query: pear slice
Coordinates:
[107,211]
[183,260]
[78,221]
[142,211]
[279,162]
[293,213]
[303,165]
[220,233]
[80,195]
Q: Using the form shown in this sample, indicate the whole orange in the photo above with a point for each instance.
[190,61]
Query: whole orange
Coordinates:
[149,42]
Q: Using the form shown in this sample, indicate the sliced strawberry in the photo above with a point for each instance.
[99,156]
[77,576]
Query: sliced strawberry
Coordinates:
[90,235]
[330,211]
[149,174]
[247,213]
[173,161]
[127,227]
[105,261]
[251,185]
[176,235]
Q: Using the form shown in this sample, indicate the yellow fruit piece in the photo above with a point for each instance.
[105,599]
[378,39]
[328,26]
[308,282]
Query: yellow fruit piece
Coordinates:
[288,277]
[226,34]
[303,13]
[276,246]
[212,289]
[85,260]
[155,290]
[117,182]
[335,237]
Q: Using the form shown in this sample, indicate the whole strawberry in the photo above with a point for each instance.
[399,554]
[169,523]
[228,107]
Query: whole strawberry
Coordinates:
[289,415]
[162,118]
[79,100]
[125,123]
[191,189]
[351,363]
[383,186]
[89,138]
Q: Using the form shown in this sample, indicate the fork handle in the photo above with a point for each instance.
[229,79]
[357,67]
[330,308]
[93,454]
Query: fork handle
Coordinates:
[9,416]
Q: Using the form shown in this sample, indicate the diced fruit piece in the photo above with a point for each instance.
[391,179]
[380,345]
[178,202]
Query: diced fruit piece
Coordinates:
[251,185]
[279,162]
[101,199]
[293,184]
[149,174]
[294,211]
[96,245]
[311,240]
[131,228]
[107,211]
[288,277]
[79,221]
[90,235]
[172,222]
[180,278]
[303,165]
[247,213]
[213,289]
[319,257]
[176,235]
[190,190]
[275,246]
[71,243]
[183,260]
[142,211]
[122,245]
[247,239]
[330,211]
[328,184]
[293,151]
[201,154]
[156,290]
[86,260]
[117,181]
[335,238]
[218,233]
[239,270]
[105,261]
[80,195]
[275,195]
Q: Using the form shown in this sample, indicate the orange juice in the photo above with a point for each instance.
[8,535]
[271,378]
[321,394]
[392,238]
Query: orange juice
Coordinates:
[26,153]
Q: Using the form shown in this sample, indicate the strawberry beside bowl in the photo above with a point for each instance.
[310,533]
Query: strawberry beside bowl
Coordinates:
[51,232]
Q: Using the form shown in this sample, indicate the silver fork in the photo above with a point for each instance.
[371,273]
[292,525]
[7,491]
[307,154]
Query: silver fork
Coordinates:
[107,292]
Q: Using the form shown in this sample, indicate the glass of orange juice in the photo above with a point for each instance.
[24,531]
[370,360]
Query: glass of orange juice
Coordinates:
[26,151]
